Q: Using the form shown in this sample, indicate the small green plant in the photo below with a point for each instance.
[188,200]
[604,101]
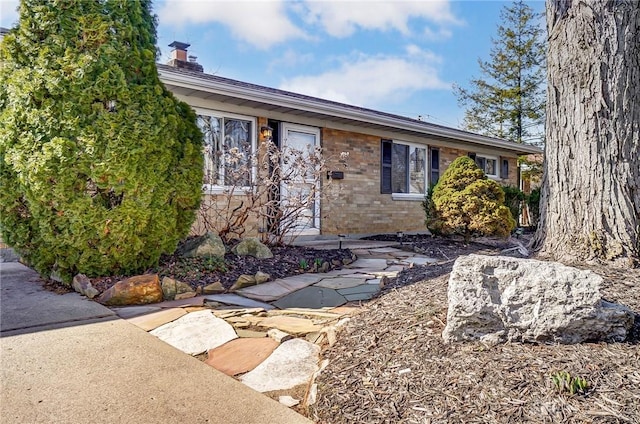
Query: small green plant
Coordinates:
[303,264]
[214,263]
[317,263]
[564,382]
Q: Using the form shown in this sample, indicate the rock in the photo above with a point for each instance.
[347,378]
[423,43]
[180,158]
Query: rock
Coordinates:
[154,320]
[83,285]
[240,355]
[496,299]
[262,277]
[250,334]
[243,281]
[214,288]
[291,325]
[187,295]
[325,267]
[278,335]
[252,247]
[336,262]
[138,290]
[169,290]
[347,261]
[291,364]
[196,332]
[288,401]
[184,288]
[207,245]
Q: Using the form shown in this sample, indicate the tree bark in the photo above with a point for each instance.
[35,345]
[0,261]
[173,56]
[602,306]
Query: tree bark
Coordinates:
[590,200]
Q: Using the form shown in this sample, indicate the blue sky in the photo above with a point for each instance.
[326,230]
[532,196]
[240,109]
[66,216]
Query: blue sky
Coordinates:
[400,57]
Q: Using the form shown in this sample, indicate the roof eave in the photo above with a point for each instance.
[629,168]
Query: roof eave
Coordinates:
[254,93]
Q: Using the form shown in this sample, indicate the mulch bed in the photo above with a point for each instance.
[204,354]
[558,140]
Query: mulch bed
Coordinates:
[286,261]
[390,364]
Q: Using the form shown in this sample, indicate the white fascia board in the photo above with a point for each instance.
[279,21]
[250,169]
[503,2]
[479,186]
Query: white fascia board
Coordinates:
[283,99]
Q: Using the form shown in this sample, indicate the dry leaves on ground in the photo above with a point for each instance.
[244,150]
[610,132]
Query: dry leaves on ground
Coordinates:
[390,365]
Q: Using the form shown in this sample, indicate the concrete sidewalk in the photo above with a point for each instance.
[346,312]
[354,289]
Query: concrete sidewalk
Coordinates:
[65,359]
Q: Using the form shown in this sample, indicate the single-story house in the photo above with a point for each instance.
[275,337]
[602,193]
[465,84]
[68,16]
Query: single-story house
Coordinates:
[392,159]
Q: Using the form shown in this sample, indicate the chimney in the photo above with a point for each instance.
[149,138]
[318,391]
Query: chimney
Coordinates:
[179,57]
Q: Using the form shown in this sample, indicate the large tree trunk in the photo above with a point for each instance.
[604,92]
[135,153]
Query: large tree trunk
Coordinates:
[590,204]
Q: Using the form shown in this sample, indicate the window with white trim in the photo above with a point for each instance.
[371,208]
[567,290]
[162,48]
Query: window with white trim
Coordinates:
[403,168]
[489,164]
[229,143]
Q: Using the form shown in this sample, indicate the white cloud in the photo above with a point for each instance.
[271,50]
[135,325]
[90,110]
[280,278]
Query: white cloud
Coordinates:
[289,59]
[260,23]
[373,81]
[343,18]
[8,13]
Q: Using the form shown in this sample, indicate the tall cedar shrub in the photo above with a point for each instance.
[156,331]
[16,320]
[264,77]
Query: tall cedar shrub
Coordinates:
[101,167]
[466,202]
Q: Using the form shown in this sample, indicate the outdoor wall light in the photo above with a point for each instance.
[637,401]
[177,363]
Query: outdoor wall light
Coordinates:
[400,234]
[341,238]
[266,132]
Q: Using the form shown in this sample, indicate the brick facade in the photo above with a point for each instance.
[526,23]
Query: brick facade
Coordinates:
[355,205]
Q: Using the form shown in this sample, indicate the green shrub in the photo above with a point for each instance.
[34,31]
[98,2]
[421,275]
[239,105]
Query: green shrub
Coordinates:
[533,201]
[513,198]
[101,167]
[466,202]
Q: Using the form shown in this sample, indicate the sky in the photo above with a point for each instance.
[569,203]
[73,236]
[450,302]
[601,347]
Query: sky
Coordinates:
[401,57]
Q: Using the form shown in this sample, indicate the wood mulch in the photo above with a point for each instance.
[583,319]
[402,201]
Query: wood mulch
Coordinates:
[390,364]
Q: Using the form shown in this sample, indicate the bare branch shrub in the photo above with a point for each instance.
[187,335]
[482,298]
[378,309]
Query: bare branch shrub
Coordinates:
[275,192]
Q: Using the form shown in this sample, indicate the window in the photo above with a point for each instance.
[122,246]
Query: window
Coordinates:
[403,168]
[504,168]
[434,166]
[489,164]
[229,142]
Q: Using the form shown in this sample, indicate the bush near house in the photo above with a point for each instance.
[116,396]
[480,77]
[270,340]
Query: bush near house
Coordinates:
[101,167]
[513,198]
[466,202]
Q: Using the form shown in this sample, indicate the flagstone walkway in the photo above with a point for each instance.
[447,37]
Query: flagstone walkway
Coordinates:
[269,336]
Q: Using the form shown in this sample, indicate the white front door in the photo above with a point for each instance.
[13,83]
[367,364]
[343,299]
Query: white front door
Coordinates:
[299,191]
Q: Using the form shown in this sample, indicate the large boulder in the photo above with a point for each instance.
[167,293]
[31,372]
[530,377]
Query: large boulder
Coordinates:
[252,247]
[138,290]
[496,299]
[206,245]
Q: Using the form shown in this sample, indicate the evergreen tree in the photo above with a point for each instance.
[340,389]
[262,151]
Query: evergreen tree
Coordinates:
[466,202]
[508,101]
[100,166]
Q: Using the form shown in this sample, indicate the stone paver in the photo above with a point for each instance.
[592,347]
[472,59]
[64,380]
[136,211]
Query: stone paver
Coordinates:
[291,325]
[234,299]
[181,303]
[311,297]
[422,260]
[154,320]
[291,364]
[363,292]
[241,355]
[369,263]
[127,312]
[196,332]
[265,292]
[340,282]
